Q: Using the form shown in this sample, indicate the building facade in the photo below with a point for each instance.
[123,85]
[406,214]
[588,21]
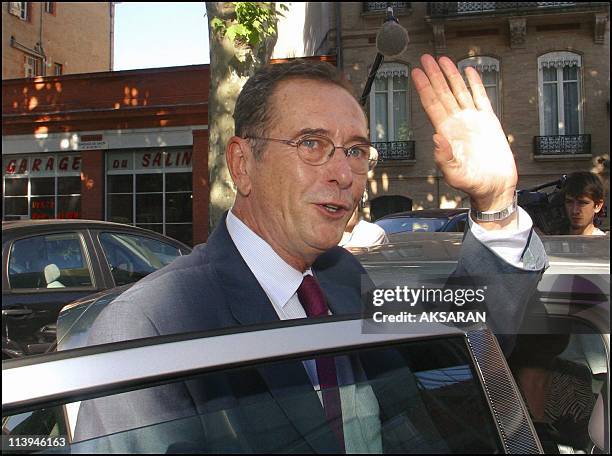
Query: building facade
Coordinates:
[132,146]
[545,66]
[54,38]
[126,146]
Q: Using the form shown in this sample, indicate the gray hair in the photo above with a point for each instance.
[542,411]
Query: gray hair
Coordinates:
[254,112]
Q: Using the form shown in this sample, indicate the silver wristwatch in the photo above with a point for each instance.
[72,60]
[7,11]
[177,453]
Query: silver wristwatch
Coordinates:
[495,216]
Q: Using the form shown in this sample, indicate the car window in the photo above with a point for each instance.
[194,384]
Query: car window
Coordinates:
[460,227]
[131,257]
[561,375]
[401,224]
[420,396]
[457,224]
[48,261]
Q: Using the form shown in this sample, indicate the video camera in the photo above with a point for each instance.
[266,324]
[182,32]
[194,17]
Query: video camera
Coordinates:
[547,209]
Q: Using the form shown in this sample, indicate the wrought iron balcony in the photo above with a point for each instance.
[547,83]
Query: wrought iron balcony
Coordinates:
[395,150]
[562,145]
[378,7]
[455,9]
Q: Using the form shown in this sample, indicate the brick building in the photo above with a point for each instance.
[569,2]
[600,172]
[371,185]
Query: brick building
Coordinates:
[53,38]
[126,146]
[546,66]
[132,146]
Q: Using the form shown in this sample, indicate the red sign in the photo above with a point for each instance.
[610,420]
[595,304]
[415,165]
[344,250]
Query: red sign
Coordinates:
[50,164]
[171,159]
[42,208]
[87,138]
[120,164]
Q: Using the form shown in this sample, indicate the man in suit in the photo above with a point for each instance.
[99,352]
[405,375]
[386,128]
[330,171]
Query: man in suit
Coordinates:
[299,161]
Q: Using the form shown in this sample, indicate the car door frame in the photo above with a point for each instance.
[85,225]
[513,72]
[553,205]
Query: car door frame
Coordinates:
[105,268]
[287,340]
[12,297]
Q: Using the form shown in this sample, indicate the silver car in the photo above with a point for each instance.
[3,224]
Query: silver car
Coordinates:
[455,392]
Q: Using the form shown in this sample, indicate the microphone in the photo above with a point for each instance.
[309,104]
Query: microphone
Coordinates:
[391,41]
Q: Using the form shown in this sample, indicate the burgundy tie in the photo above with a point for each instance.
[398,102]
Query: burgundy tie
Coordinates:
[312,298]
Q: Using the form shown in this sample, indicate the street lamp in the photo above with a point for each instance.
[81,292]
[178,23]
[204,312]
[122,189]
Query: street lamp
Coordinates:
[391,40]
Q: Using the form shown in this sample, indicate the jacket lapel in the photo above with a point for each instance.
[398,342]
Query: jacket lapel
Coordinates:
[246,299]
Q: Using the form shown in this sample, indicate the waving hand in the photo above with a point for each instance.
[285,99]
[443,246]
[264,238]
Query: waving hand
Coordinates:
[471,149]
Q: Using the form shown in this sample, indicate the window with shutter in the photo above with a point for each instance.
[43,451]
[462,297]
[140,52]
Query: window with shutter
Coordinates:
[389,106]
[488,69]
[32,66]
[559,75]
[19,9]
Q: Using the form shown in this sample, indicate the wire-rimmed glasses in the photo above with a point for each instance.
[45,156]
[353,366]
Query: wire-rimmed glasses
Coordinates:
[317,150]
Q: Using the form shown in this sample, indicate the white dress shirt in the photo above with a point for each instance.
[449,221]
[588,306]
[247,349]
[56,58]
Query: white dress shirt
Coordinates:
[364,234]
[508,245]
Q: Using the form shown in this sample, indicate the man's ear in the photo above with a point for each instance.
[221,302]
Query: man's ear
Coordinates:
[237,155]
[598,206]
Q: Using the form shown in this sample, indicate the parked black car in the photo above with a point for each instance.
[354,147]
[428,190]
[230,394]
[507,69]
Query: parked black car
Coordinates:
[47,264]
[448,220]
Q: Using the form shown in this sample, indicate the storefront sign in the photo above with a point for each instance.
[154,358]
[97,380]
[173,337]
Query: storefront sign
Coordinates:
[92,142]
[42,165]
[160,159]
[163,159]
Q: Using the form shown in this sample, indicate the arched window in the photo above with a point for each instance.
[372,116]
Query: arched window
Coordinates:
[389,107]
[559,92]
[488,68]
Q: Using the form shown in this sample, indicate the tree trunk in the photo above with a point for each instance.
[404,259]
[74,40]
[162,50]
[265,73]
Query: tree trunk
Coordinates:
[230,66]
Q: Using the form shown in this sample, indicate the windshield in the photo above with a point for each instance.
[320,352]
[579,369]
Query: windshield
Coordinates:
[401,224]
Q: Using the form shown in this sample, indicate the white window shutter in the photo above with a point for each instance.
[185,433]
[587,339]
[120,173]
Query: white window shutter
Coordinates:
[15,8]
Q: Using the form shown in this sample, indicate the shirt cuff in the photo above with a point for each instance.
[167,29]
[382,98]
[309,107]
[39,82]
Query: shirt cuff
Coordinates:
[507,244]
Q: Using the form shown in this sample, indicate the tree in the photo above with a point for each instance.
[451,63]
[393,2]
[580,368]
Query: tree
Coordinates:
[242,37]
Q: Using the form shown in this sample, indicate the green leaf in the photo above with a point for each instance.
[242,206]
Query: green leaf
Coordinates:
[217,23]
[230,33]
[255,21]
[242,30]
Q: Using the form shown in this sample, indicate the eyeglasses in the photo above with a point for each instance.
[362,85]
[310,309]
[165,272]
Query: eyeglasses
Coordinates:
[317,150]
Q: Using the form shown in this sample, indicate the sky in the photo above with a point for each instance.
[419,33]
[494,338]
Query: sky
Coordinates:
[152,35]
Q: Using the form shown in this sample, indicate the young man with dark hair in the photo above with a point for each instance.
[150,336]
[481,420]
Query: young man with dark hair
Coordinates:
[584,199]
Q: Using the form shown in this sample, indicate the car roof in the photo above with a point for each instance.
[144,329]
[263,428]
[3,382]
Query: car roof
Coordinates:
[443,246]
[31,226]
[428,213]
[15,224]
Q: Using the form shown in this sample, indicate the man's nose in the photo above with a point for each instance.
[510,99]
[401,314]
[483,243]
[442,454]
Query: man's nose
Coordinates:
[339,169]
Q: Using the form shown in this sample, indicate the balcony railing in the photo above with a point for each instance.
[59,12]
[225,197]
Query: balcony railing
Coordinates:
[562,145]
[454,9]
[395,150]
[376,7]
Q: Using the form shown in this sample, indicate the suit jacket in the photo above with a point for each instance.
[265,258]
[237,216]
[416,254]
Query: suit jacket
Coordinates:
[213,288]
